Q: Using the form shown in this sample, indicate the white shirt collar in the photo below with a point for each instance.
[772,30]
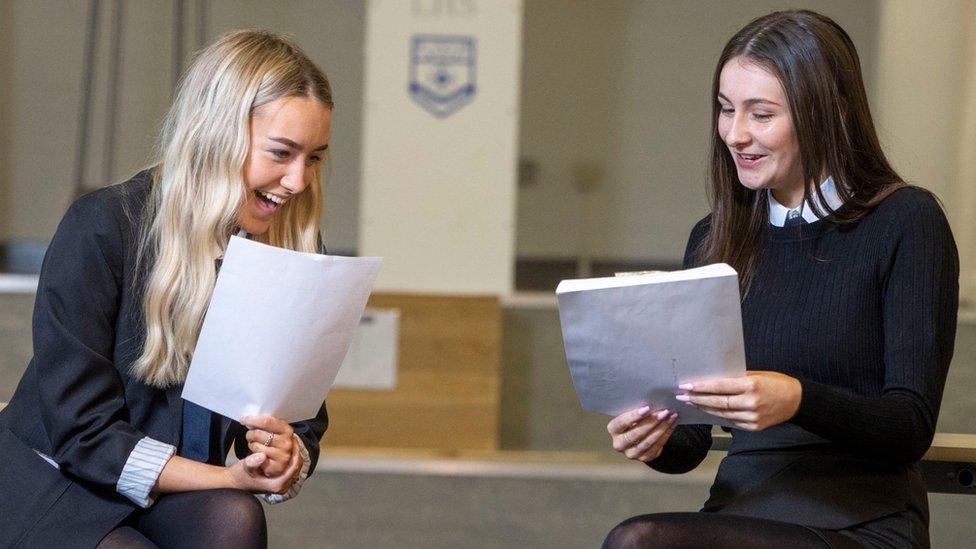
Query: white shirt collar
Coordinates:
[778,212]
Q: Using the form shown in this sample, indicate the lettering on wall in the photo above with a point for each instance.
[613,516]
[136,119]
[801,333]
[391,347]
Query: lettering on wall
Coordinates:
[444,8]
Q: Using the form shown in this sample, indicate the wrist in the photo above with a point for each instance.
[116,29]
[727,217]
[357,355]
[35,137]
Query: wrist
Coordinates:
[796,396]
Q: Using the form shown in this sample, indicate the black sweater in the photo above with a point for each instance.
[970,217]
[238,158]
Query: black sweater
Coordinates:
[864,316]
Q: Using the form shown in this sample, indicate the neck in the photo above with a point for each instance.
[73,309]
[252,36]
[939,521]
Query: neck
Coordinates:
[791,198]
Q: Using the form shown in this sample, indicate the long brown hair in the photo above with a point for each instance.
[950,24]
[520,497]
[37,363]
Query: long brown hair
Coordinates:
[818,67]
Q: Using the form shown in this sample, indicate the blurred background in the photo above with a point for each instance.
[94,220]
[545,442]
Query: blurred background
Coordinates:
[580,150]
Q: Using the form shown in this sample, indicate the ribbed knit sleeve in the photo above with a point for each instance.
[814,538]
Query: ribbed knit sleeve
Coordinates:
[919,273]
[688,444]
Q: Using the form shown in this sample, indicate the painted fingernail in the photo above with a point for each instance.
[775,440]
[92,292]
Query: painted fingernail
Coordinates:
[686,386]
[662,414]
[683,398]
[643,410]
[674,419]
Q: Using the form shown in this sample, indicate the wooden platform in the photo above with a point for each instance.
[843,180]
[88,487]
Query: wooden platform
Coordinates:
[447,393]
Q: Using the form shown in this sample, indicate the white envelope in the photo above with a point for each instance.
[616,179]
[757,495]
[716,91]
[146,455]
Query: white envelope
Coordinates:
[632,340]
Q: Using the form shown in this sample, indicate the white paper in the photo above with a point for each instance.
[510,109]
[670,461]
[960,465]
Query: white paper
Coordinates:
[276,331]
[631,340]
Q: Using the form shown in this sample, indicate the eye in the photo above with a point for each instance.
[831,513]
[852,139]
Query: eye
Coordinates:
[727,111]
[762,117]
[315,159]
[280,154]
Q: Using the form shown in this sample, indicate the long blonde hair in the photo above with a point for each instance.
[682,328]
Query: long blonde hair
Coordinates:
[198,187]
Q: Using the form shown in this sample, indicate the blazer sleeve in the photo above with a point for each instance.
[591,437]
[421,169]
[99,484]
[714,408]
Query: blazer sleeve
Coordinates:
[81,399]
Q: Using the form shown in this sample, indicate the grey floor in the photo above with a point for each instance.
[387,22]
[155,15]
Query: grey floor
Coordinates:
[368,507]
[361,509]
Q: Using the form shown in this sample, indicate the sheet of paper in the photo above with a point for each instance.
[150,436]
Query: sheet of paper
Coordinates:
[632,340]
[277,329]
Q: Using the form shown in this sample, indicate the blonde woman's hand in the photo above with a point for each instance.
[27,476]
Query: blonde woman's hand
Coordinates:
[752,402]
[248,474]
[641,434]
[272,437]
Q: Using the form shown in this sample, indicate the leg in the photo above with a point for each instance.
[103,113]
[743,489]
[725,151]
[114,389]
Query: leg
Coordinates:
[206,518]
[691,530]
[125,537]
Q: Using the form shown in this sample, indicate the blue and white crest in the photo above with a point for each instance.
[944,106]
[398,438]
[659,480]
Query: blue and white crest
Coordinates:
[442,72]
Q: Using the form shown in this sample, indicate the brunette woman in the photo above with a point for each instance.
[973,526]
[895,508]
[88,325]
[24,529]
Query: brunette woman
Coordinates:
[849,280]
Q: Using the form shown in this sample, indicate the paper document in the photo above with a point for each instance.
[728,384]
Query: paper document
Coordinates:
[277,328]
[631,340]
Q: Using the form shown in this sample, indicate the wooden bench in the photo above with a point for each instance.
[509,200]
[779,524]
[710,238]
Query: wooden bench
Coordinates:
[948,467]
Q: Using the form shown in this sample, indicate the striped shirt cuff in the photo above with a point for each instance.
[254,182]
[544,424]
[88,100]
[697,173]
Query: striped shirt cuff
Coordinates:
[142,469]
[302,475]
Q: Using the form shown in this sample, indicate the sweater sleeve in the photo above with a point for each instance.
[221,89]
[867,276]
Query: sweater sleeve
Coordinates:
[80,394]
[920,301]
[689,444]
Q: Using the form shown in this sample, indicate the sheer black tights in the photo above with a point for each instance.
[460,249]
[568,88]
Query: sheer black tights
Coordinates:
[205,518]
[696,530]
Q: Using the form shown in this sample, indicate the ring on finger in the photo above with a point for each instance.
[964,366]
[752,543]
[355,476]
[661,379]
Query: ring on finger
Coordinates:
[270,440]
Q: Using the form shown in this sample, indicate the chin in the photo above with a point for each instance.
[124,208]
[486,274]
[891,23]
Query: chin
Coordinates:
[253,226]
[753,185]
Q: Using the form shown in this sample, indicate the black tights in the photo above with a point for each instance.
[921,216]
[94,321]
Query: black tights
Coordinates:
[205,518]
[695,530]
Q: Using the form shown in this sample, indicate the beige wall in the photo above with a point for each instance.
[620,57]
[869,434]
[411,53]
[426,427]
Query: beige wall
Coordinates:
[926,107]
[625,85]
[620,84]
[41,62]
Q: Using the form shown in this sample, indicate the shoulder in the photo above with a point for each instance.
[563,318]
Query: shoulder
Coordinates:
[114,199]
[113,209]
[106,219]
[701,227]
[699,231]
[908,203]
[698,234]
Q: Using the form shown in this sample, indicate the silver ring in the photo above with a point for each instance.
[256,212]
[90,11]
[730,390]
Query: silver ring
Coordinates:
[270,440]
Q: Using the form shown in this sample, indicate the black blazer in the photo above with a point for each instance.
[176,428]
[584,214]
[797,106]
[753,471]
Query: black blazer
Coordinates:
[77,401]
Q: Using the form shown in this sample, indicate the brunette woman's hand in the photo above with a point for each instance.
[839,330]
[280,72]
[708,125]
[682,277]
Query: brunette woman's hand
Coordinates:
[272,437]
[248,474]
[640,434]
[753,402]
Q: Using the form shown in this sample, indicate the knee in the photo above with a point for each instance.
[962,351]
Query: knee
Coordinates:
[241,514]
[632,533]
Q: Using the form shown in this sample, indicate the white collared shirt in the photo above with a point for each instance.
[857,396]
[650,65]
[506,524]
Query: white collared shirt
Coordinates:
[778,212]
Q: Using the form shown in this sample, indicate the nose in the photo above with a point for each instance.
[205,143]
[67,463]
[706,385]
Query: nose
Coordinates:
[737,135]
[296,178]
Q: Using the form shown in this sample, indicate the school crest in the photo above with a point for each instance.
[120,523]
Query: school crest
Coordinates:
[442,72]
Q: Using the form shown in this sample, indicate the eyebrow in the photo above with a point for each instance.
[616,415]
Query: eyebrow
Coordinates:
[751,101]
[291,144]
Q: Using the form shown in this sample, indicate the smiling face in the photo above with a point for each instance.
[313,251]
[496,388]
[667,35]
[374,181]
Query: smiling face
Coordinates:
[756,125]
[289,137]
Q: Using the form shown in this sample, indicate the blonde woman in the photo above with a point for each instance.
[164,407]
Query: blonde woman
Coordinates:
[97,447]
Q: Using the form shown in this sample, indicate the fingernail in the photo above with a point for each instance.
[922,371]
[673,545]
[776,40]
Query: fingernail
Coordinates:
[674,419]
[662,414]
[682,398]
[686,386]
[643,410]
